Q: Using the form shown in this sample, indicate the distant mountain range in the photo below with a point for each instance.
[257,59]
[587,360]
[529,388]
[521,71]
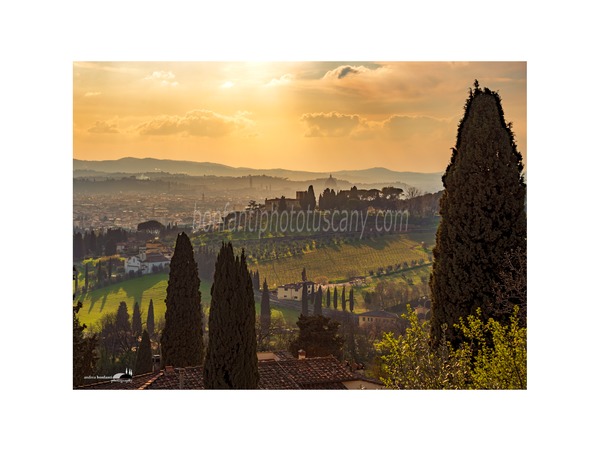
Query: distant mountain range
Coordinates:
[427,182]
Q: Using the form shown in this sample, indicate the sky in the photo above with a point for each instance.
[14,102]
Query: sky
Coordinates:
[314,116]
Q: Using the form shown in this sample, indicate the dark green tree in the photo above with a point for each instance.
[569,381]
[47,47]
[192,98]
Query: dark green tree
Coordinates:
[343,298]
[318,336]
[181,340]
[304,274]
[122,321]
[150,319]
[109,269]
[328,298]
[304,299]
[143,360]
[311,201]
[351,300]
[84,356]
[265,310]
[335,298]
[136,320]
[318,311]
[231,360]
[482,217]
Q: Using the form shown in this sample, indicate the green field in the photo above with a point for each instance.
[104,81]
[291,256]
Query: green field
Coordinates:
[98,302]
[106,300]
[342,261]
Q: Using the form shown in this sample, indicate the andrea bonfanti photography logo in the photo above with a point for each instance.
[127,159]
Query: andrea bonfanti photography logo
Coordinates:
[301,221]
[121,377]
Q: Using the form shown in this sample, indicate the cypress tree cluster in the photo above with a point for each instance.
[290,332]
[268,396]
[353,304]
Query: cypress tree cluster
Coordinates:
[181,340]
[483,216]
[231,361]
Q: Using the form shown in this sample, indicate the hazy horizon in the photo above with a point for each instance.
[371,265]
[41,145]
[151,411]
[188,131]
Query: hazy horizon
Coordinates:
[257,168]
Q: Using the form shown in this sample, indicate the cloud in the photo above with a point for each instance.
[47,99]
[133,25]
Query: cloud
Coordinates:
[163,78]
[282,80]
[402,127]
[103,127]
[198,122]
[332,124]
[396,127]
[344,71]
[92,94]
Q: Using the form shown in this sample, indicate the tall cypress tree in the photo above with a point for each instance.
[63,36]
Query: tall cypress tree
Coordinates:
[483,216]
[335,297]
[122,319]
[150,319]
[231,360]
[265,310]
[318,311]
[136,320]
[343,298]
[304,299]
[351,300]
[143,360]
[311,201]
[328,298]
[87,270]
[181,340]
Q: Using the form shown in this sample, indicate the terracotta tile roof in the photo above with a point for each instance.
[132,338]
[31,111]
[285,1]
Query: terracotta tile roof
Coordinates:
[288,373]
[272,377]
[192,379]
[312,371]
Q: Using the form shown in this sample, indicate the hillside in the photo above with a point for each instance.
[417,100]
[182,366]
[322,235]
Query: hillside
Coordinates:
[428,182]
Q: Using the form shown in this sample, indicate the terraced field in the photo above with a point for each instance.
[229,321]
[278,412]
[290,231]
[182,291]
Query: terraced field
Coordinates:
[340,262]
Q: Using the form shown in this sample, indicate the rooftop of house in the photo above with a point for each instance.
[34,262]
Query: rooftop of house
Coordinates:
[285,372]
[156,258]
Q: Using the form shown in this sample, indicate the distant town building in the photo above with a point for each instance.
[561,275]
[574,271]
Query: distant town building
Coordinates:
[331,182]
[272,204]
[293,291]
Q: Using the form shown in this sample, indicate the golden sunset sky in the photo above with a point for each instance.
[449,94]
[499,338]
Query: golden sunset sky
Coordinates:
[316,116]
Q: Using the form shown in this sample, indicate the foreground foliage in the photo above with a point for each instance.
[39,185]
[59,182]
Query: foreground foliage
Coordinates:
[490,356]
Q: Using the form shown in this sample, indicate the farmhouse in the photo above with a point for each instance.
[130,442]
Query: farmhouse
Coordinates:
[293,291]
[380,319]
[153,256]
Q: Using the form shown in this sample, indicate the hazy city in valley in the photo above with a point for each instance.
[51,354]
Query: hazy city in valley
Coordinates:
[299,225]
